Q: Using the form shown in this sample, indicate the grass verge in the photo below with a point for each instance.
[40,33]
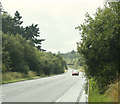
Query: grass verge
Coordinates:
[19,79]
[111,95]
[94,95]
[11,77]
[113,91]
[86,88]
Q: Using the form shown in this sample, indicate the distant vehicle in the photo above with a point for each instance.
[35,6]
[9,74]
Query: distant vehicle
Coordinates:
[75,72]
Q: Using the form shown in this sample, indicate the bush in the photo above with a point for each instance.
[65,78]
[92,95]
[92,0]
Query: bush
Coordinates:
[12,76]
[20,56]
[100,45]
[31,74]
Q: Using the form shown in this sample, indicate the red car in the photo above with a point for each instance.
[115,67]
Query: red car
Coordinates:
[75,72]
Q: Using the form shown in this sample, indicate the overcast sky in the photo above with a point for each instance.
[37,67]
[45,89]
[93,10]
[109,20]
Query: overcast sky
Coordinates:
[56,19]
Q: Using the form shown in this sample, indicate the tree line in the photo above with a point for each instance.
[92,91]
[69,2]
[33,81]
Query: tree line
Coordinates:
[73,59]
[13,25]
[21,49]
[100,45]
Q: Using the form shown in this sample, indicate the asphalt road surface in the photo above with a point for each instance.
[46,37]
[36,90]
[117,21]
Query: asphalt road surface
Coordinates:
[59,88]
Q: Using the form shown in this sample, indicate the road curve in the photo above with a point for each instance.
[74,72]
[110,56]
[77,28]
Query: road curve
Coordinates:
[59,88]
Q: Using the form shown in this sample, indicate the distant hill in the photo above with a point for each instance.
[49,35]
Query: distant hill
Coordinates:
[72,58]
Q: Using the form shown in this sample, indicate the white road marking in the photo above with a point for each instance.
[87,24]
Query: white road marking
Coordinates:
[3,95]
[58,100]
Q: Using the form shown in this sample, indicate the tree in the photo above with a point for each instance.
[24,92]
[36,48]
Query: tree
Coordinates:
[17,19]
[19,56]
[100,44]
[7,23]
[12,25]
[13,53]
[18,29]
[32,33]
[21,49]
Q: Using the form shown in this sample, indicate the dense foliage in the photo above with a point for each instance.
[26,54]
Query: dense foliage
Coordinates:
[73,59]
[20,56]
[13,25]
[100,44]
[21,49]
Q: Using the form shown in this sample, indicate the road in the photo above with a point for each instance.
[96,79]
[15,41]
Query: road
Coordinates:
[58,88]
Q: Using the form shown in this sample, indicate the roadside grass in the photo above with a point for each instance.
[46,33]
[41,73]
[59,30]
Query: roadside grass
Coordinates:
[113,91]
[86,88]
[94,95]
[111,95]
[11,77]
